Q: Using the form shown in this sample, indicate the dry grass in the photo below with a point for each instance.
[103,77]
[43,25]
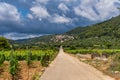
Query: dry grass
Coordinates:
[35,70]
[101,65]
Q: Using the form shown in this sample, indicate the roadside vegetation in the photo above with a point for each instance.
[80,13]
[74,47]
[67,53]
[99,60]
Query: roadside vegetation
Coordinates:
[106,60]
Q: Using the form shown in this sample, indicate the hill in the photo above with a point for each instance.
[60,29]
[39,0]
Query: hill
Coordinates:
[102,35]
[43,42]
[106,28]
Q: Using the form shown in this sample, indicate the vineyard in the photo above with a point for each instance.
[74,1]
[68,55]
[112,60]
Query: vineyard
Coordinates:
[27,63]
[91,51]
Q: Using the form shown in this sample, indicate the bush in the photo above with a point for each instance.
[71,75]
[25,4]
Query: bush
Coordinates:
[4,44]
[28,58]
[115,64]
[45,59]
[72,48]
[13,64]
[2,59]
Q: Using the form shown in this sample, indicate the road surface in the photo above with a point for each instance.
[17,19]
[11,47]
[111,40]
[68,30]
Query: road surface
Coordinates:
[66,67]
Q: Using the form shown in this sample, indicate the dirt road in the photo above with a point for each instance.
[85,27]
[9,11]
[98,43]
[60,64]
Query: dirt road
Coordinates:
[66,67]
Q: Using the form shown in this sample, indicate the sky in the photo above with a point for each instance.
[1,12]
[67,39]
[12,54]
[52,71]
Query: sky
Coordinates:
[21,19]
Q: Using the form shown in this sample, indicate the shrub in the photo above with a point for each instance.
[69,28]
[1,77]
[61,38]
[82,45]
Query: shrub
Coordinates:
[2,59]
[115,64]
[45,59]
[13,64]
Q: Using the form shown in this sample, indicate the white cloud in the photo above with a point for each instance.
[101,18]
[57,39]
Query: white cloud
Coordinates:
[40,12]
[16,36]
[97,9]
[30,16]
[60,19]
[8,12]
[67,1]
[63,7]
[40,1]
[90,14]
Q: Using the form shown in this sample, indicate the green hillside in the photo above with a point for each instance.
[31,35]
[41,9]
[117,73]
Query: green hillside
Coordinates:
[107,28]
[101,35]
[43,42]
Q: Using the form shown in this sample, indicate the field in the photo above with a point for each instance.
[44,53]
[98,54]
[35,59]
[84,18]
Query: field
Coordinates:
[24,64]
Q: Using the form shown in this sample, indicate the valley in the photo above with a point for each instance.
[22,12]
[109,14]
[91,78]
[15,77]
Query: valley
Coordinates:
[36,54]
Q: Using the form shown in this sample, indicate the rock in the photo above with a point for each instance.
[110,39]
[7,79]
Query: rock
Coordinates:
[116,72]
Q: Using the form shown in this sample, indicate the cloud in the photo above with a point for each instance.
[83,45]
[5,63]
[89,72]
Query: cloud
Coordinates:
[85,13]
[8,12]
[40,2]
[30,16]
[97,9]
[68,1]
[40,12]
[60,19]
[16,36]
[63,7]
